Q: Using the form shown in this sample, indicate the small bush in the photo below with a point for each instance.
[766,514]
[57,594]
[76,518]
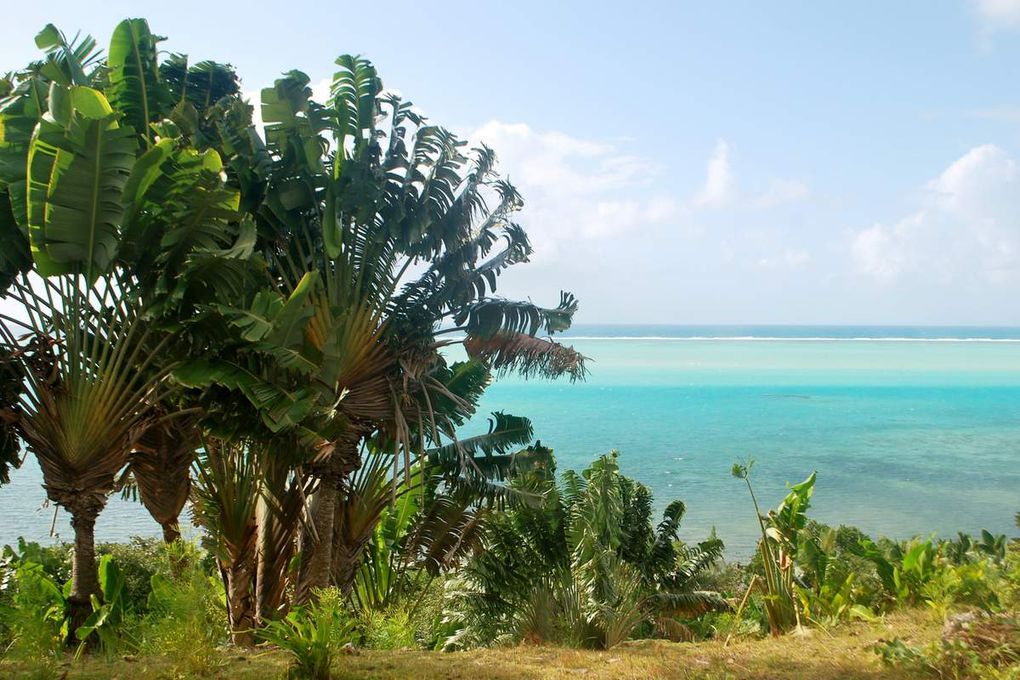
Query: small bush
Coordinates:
[389,629]
[137,561]
[312,635]
[427,615]
[726,578]
[32,613]
[112,621]
[723,625]
[55,560]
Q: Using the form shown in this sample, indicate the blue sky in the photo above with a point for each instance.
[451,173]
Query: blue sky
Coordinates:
[787,162]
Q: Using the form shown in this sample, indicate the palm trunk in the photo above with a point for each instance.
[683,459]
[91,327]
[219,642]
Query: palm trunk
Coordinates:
[262,575]
[347,552]
[318,549]
[171,532]
[241,603]
[84,573]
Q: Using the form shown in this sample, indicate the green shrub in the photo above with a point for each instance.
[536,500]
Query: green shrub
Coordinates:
[312,635]
[387,629]
[978,646]
[919,572]
[55,560]
[584,566]
[1010,594]
[840,562]
[726,578]
[112,619]
[723,625]
[35,613]
[974,584]
[427,614]
[137,560]
[32,613]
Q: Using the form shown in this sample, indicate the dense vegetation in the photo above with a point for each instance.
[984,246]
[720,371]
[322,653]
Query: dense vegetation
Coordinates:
[582,565]
[256,327]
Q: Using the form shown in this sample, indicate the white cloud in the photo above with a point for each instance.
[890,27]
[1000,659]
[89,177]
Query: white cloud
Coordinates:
[999,13]
[614,217]
[782,191]
[967,226]
[720,186]
[880,251]
[574,188]
[719,183]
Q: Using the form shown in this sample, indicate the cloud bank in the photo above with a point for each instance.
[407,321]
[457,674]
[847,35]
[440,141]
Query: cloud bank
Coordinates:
[966,227]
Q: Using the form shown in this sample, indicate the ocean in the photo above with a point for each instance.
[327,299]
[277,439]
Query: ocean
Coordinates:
[912,430]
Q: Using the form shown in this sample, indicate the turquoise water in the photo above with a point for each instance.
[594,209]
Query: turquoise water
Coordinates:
[907,437]
[909,434]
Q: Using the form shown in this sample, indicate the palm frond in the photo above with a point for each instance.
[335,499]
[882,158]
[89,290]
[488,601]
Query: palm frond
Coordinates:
[281,515]
[353,92]
[79,163]
[15,256]
[505,431]
[201,85]
[20,112]
[11,388]
[527,356]
[491,316]
[160,465]
[225,497]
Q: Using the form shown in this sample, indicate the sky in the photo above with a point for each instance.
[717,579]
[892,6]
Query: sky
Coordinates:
[713,162]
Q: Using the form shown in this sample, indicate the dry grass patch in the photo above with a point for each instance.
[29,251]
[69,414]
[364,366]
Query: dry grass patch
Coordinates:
[844,654]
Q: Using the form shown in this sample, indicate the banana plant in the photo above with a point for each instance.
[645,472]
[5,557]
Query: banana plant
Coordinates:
[780,531]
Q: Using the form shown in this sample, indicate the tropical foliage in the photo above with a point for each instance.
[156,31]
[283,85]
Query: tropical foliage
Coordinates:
[585,567]
[178,282]
[89,180]
[579,564]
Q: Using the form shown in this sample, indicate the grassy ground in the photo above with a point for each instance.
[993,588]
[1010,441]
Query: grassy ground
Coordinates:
[843,654]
